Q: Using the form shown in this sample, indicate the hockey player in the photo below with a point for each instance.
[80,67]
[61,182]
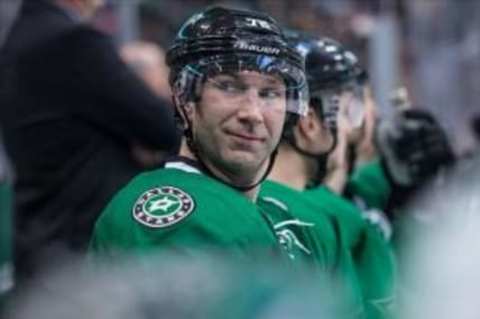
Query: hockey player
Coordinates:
[234,79]
[364,259]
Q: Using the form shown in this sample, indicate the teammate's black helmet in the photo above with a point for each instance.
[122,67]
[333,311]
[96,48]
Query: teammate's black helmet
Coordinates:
[221,40]
[329,63]
[331,68]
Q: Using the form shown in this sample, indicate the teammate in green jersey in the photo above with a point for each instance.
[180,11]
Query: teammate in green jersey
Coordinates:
[363,258]
[389,158]
[365,182]
[234,79]
[353,170]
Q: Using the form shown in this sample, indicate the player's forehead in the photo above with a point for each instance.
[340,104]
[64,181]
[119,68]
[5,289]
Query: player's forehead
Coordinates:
[251,77]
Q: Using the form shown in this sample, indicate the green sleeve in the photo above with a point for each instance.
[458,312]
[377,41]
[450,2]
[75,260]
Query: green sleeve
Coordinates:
[349,228]
[377,269]
[370,183]
[218,219]
[368,251]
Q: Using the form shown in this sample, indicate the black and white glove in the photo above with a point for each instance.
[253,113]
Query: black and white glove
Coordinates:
[413,147]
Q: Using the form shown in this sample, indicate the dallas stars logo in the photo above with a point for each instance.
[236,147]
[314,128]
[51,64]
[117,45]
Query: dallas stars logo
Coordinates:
[162,207]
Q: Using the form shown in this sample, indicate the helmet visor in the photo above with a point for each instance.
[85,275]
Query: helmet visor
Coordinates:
[347,99]
[353,104]
[296,89]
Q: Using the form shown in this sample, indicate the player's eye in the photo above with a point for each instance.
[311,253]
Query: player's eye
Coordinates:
[229,85]
[271,93]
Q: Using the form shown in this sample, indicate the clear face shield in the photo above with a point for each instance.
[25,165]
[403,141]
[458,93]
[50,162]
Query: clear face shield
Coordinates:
[352,104]
[189,83]
[348,101]
[330,108]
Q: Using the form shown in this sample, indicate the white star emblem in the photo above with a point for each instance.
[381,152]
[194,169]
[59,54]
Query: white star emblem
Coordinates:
[163,204]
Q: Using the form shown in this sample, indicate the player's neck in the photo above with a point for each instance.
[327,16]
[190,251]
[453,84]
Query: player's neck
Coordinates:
[291,169]
[250,194]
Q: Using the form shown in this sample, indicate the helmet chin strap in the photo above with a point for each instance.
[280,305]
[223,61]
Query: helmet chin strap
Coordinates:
[195,150]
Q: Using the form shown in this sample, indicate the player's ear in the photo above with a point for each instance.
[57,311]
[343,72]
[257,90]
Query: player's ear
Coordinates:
[309,125]
[189,109]
[183,111]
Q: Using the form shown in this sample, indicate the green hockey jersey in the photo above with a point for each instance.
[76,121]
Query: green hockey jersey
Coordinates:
[179,210]
[302,222]
[371,253]
[370,183]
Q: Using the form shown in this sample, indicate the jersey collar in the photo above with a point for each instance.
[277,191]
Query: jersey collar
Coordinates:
[182,163]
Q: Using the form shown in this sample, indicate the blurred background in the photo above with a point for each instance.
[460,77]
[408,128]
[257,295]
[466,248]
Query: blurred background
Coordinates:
[432,47]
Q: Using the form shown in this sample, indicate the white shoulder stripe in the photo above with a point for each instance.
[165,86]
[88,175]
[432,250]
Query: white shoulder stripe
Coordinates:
[183,167]
[275,202]
[291,222]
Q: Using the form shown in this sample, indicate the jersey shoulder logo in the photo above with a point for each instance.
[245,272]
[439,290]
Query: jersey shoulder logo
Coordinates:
[288,229]
[162,207]
[287,237]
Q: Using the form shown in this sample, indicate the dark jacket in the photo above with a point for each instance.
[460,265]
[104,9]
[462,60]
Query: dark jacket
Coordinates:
[69,110]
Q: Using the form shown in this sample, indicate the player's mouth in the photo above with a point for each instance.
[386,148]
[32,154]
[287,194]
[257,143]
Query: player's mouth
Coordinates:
[246,136]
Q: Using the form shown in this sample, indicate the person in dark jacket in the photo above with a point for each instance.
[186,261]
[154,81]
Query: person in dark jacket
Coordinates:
[70,111]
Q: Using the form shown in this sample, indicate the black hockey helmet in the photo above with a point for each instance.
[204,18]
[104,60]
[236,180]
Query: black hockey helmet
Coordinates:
[329,63]
[220,40]
[331,68]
